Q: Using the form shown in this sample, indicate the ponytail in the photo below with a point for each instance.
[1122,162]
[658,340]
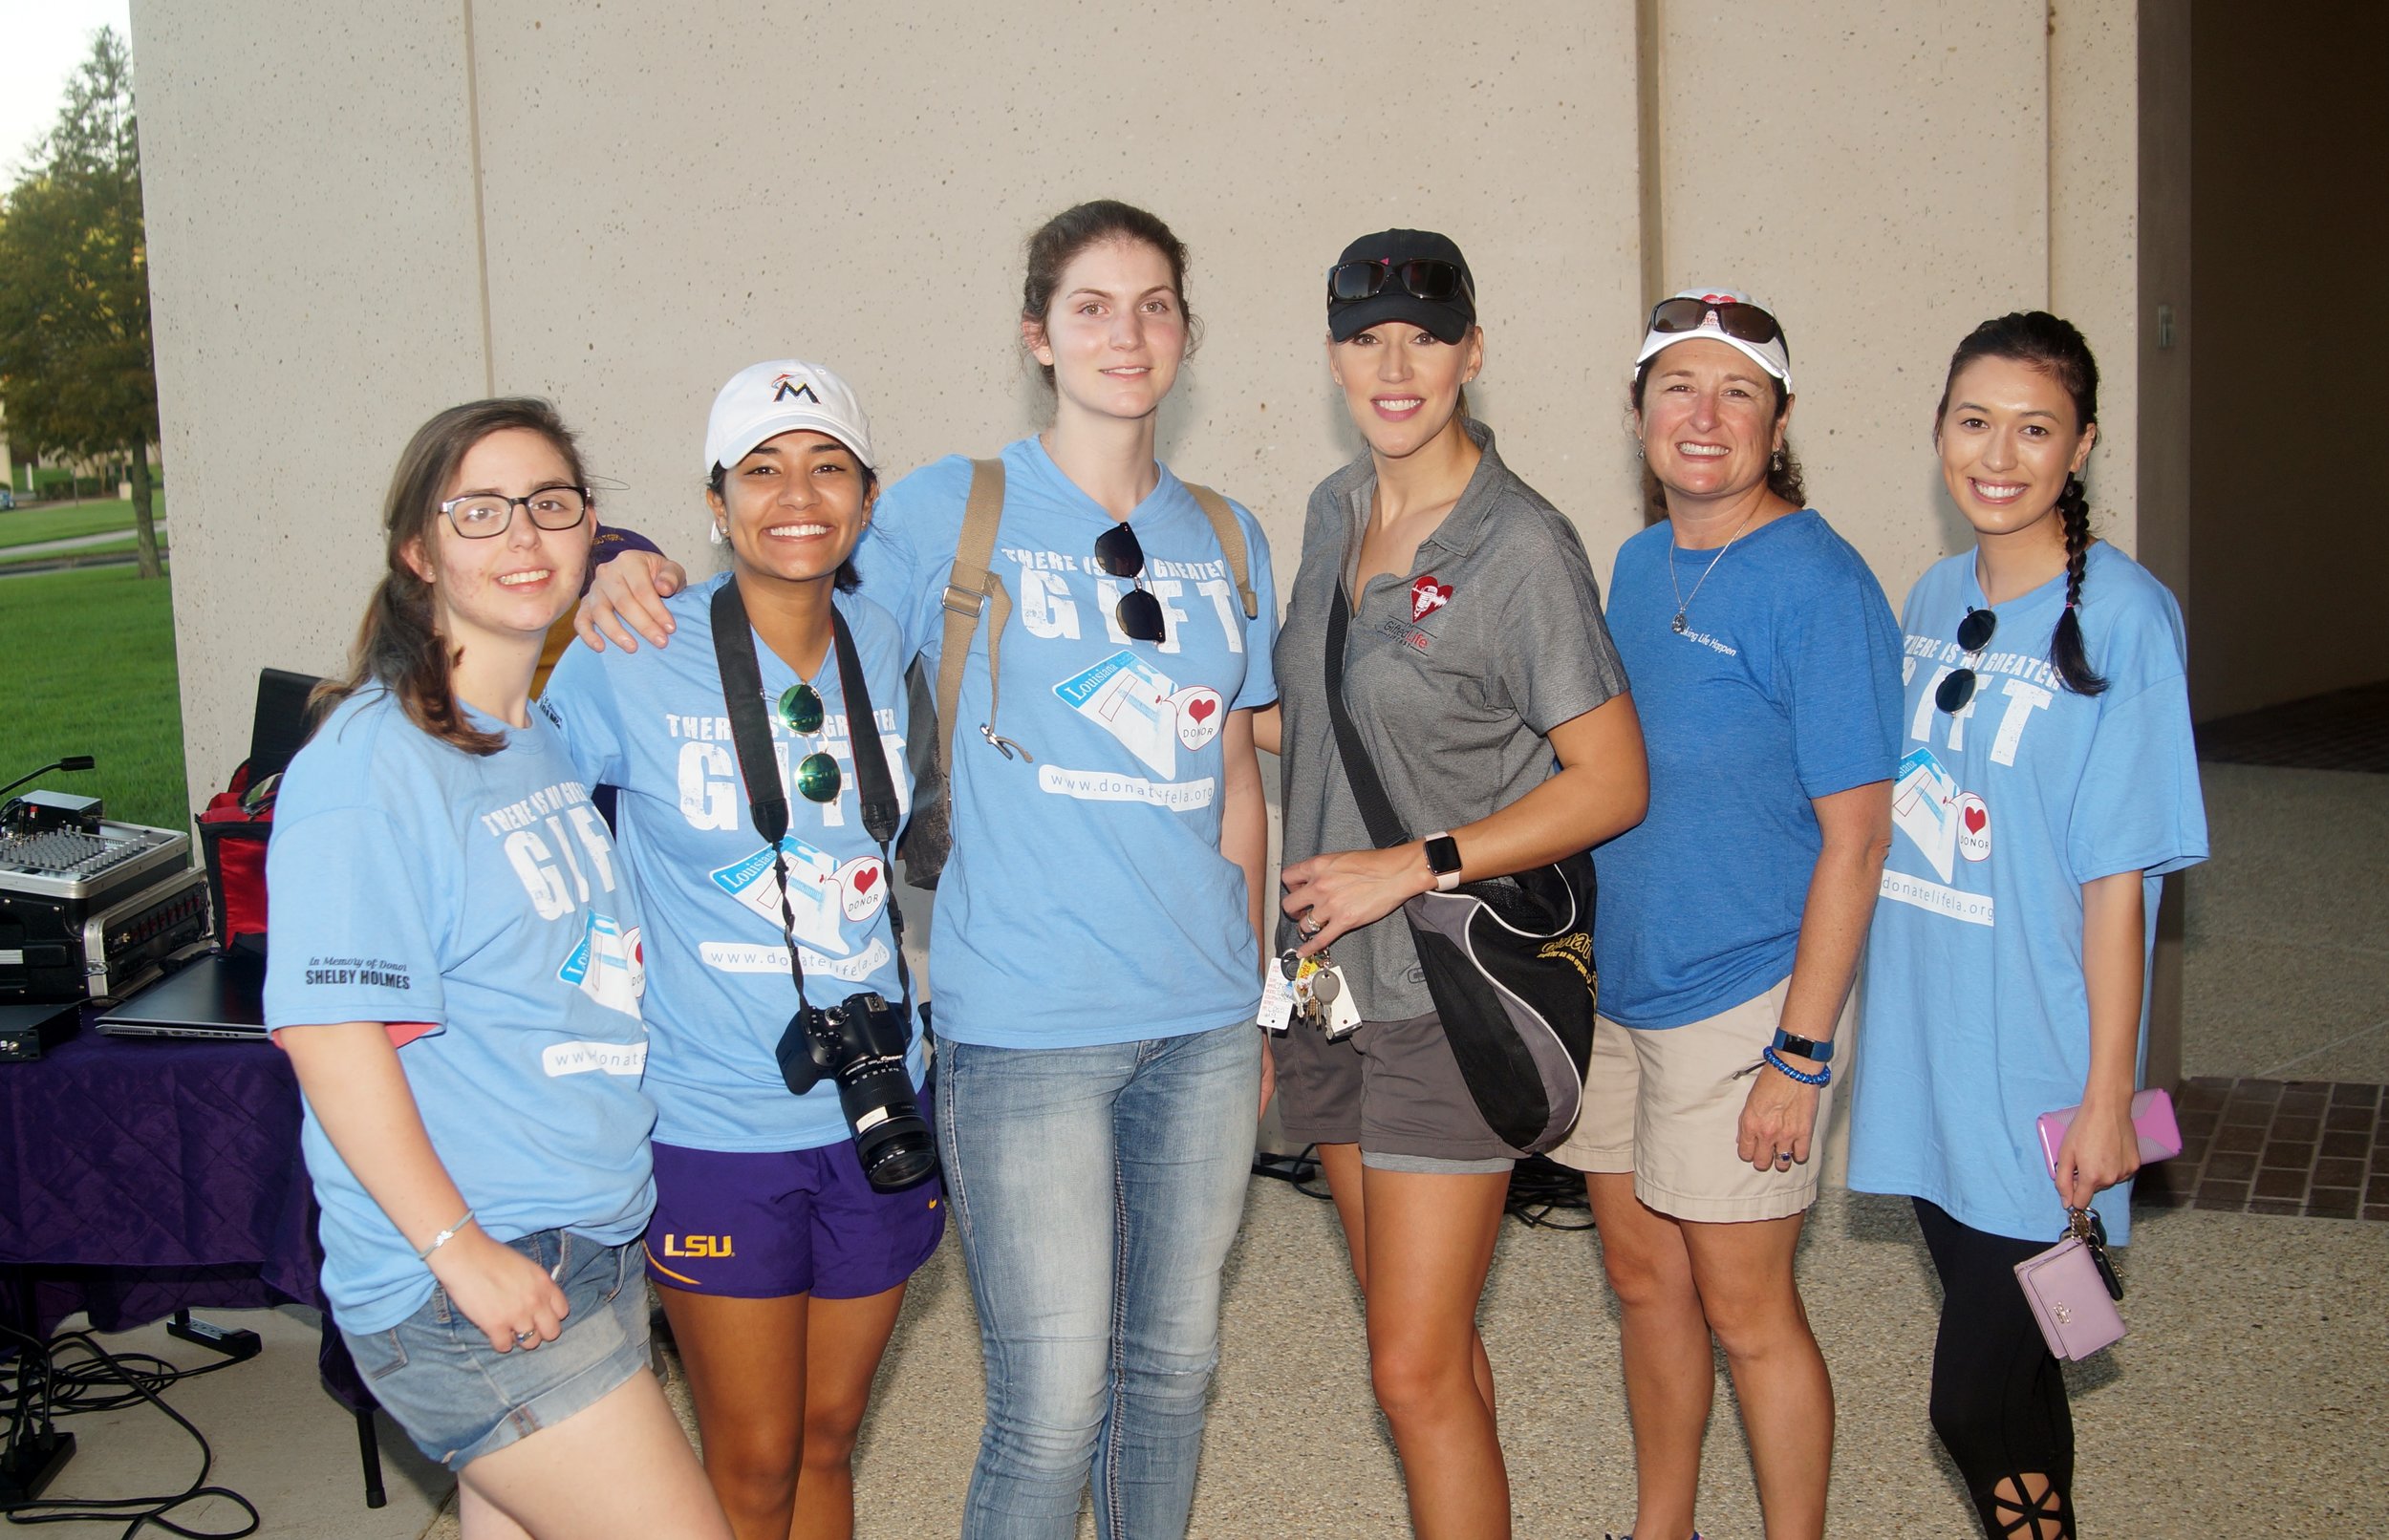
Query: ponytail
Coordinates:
[2065,644]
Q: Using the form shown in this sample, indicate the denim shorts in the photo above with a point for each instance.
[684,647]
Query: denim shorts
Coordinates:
[459,1399]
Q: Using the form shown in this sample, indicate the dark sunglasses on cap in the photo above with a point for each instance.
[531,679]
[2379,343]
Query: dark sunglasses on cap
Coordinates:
[817,779]
[1736,319]
[1120,554]
[1428,278]
[1974,633]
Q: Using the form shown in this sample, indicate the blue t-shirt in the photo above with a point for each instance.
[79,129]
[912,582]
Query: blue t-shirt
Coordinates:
[1783,687]
[1976,1016]
[652,723]
[415,883]
[1085,900]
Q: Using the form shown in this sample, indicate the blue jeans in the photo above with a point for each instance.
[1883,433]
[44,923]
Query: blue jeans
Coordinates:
[1096,1191]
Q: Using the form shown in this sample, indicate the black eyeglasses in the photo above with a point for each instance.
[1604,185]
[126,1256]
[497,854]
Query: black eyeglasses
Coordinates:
[1428,278]
[1118,553]
[1974,633]
[1735,318]
[486,515]
[817,779]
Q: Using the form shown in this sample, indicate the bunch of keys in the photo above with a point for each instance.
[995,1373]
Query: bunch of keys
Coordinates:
[2085,1226]
[1311,987]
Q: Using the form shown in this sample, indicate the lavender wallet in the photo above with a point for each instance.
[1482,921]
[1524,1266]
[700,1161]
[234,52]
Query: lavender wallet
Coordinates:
[2070,1300]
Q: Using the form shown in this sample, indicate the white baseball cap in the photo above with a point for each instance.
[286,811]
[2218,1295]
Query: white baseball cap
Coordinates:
[1723,316]
[780,396]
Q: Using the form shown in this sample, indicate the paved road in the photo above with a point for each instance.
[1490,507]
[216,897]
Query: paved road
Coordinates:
[72,543]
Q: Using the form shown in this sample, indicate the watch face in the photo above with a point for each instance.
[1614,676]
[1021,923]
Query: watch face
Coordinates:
[1443,855]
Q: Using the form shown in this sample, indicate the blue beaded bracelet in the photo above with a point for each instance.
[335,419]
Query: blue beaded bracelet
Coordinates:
[1822,1077]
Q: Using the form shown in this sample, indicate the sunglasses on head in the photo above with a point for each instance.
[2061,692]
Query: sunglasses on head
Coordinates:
[1974,633]
[1428,278]
[817,779]
[1120,554]
[1735,318]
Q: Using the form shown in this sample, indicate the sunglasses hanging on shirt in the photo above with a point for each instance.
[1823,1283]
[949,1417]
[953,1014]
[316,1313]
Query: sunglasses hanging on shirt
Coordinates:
[817,778]
[1120,554]
[1974,633]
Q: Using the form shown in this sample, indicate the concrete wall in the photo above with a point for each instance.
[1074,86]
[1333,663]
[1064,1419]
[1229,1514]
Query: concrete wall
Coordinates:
[2286,568]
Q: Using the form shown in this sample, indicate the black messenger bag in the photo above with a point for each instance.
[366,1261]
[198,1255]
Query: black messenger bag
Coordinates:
[1509,960]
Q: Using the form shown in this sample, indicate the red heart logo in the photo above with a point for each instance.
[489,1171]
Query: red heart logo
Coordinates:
[1976,818]
[1427,595]
[1202,708]
[864,879]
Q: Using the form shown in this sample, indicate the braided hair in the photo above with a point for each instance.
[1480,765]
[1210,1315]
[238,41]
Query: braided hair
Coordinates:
[2057,348]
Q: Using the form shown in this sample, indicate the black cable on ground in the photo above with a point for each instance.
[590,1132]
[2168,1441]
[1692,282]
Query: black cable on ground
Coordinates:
[81,1379]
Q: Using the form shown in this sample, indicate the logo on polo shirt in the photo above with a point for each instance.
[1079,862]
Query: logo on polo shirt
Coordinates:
[1426,596]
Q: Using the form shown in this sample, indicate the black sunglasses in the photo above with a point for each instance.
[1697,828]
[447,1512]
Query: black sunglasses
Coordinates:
[1120,554]
[1736,319]
[1428,278]
[1974,633]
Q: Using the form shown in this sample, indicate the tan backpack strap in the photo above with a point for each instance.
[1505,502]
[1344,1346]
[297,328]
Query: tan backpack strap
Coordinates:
[1231,537]
[969,585]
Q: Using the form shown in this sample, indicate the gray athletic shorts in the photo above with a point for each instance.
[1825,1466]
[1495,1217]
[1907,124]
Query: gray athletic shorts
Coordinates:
[1392,1087]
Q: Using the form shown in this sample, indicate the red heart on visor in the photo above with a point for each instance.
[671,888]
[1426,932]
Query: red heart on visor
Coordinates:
[1976,818]
[864,879]
[1202,708]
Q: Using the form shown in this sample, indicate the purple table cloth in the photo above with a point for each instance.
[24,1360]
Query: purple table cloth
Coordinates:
[139,1177]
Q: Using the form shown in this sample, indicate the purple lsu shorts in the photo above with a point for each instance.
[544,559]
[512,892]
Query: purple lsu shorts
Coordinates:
[763,1225]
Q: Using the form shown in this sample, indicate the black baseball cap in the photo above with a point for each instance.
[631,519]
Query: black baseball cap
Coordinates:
[1447,316]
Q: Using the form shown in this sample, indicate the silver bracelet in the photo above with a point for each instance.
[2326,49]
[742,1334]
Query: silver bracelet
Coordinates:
[444,1236]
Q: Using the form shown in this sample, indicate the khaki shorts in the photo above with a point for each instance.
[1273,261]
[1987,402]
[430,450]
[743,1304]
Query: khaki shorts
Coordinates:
[1666,1105]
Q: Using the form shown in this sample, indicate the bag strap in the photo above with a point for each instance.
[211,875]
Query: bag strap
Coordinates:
[969,586]
[1359,769]
[1231,537]
[767,797]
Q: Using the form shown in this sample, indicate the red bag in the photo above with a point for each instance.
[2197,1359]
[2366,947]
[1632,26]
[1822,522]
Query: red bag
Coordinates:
[232,835]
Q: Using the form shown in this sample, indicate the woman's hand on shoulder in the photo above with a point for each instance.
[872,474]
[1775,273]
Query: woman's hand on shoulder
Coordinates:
[1779,1116]
[627,595]
[504,1295]
[2101,1148]
[1331,894]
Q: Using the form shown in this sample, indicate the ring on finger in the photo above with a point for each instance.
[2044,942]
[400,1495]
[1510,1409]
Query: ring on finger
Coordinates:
[525,1338]
[1308,927]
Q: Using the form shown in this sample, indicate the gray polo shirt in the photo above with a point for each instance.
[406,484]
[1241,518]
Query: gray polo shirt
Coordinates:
[1453,674]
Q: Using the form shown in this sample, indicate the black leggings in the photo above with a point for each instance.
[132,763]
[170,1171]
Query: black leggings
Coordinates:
[1998,1399]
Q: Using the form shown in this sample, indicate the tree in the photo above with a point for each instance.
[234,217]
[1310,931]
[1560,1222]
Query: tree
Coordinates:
[76,371]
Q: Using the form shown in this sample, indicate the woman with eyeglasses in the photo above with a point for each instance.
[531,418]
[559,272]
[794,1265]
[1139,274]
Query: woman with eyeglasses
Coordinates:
[1766,666]
[783,1236]
[1480,677]
[1093,955]
[457,976]
[2050,782]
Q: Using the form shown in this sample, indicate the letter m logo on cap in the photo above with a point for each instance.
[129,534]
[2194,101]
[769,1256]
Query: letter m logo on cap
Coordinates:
[789,387]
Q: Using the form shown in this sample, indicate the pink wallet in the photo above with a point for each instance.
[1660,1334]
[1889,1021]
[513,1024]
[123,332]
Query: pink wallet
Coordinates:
[2069,1298]
[2152,1119]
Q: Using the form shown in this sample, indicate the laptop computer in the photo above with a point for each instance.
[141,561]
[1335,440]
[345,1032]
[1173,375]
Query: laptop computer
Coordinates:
[216,995]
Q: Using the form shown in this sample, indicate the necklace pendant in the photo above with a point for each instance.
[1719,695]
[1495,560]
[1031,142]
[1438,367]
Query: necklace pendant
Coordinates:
[1677,625]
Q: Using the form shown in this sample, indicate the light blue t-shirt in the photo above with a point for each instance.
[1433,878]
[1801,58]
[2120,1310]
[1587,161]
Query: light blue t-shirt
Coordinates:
[415,883]
[1783,687]
[652,723]
[1976,1016]
[1086,900]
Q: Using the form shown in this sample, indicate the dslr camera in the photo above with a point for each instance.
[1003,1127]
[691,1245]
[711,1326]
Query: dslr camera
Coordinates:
[861,1043]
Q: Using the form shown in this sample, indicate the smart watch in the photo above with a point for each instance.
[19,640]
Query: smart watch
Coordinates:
[1443,859]
[1805,1047]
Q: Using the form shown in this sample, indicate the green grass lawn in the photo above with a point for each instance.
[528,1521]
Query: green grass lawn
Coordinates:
[91,671]
[63,520]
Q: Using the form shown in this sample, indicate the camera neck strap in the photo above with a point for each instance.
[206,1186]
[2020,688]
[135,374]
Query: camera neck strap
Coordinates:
[759,768]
